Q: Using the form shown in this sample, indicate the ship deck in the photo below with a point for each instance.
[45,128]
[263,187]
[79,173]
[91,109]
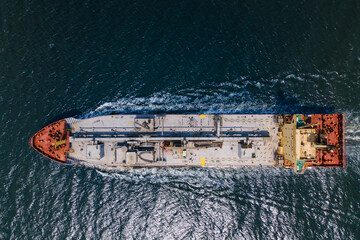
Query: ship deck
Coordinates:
[227,140]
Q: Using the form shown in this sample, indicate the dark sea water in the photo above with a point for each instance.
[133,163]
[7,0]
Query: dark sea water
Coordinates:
[88,58]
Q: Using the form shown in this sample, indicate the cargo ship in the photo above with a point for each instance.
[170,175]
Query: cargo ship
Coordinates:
[297,141]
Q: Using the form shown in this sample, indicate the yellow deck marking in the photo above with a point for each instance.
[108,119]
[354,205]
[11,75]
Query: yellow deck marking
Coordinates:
[58,143]
[202,161]
[202,116]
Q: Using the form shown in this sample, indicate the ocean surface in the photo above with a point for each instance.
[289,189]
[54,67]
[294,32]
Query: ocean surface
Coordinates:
[88,58]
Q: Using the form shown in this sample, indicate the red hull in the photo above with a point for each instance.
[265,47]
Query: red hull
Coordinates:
[52,141]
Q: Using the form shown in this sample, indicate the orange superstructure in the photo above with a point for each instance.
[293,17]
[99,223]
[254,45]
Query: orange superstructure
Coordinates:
[52,141]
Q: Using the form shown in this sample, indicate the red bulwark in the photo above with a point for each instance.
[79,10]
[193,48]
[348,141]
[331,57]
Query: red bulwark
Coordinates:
[331,126]
[52,141]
